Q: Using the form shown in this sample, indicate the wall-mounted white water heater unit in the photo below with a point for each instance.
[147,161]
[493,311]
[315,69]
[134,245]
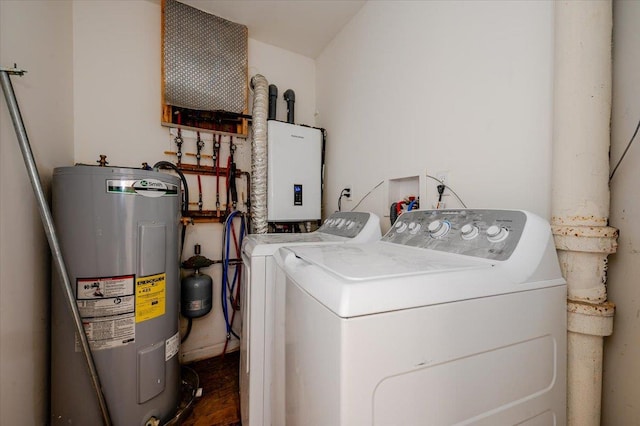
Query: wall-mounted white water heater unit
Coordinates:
[294,172]
[118,231]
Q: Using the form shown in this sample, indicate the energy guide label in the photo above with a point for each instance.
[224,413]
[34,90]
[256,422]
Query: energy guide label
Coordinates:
[107,307]
[150,296]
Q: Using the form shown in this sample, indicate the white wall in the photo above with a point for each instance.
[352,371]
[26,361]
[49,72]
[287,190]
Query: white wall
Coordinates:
[621,388]
[117,82]
[463,87]
[117,109]
[287,70]
[37,36]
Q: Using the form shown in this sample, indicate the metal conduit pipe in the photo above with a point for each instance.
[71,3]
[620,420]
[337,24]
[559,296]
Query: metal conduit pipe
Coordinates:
[52,237]
[260,88]
[580,193]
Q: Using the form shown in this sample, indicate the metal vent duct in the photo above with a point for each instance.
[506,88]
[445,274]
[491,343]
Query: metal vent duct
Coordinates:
[204,60]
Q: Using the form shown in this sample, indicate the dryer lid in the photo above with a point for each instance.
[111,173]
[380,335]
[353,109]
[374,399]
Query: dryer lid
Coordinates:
[268,244]
[340,227]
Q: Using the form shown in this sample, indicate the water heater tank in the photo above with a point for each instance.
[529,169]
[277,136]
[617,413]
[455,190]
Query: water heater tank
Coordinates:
[118,231]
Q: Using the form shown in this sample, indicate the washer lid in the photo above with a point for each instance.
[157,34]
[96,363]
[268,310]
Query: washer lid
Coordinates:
[360,262]
[354,280]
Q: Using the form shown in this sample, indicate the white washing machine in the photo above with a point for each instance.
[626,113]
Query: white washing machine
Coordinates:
[454,317]
[260,317]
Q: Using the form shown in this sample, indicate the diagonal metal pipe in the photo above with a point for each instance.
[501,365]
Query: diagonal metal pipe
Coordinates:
[49,228]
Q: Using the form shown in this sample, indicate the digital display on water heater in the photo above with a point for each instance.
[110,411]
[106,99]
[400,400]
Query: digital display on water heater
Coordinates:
[297,194]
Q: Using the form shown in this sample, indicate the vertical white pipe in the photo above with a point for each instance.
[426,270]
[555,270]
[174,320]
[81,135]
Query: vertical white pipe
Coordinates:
[582,112]
[580,195]
[587,324]
[260,87]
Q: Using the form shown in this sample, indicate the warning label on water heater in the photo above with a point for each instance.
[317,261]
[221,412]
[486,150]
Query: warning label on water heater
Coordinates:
[107,307]
[110,332]
[150,297]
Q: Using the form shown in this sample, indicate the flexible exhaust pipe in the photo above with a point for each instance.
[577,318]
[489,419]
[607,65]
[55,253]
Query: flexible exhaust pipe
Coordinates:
[259,223]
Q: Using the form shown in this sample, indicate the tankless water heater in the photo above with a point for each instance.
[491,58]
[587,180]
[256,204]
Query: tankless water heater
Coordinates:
[294,172]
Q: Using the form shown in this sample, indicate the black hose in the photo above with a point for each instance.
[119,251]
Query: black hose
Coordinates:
[188,332]
[185,196]
[233,189]
[290,99]
[273,98]
[393,213]
[185,210]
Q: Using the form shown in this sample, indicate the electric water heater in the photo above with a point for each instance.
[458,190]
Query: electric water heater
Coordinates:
[118,231]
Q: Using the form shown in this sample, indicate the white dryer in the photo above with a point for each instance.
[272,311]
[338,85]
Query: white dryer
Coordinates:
[454,317]
[259,299]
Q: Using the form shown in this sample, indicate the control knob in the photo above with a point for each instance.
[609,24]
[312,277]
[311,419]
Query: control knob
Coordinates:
[401,227]
[469,231]
[439,228]
[414,228]
[496,233]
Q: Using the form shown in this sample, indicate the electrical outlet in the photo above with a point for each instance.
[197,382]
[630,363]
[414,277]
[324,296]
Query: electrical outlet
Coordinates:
[347,191]
[443,176]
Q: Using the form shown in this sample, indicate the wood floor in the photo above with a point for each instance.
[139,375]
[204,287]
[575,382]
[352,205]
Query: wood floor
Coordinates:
[220,401]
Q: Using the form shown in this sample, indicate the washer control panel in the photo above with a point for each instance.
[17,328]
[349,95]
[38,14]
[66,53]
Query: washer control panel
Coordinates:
[345,224]
[490,234]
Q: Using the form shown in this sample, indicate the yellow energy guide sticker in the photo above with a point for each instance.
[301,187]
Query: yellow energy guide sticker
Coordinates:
[150,296]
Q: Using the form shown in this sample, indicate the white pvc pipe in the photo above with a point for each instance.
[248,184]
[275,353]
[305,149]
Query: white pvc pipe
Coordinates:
[260,88]
[585,390]
[588,324]
[582,111]
[580,195]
